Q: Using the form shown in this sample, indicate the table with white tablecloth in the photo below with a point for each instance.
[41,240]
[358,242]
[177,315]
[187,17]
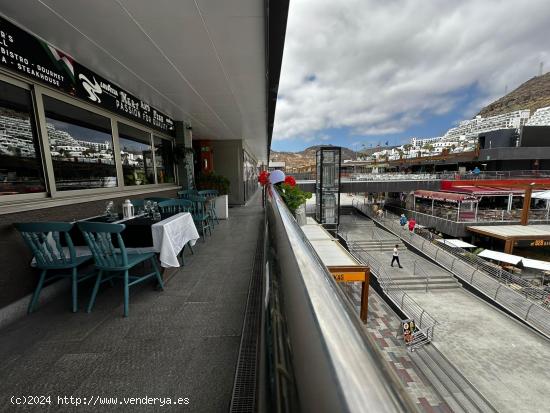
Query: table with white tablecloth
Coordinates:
[171,235]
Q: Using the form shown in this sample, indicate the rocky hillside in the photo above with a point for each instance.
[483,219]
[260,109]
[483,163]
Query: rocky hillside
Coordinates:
[305,157]
[533,94]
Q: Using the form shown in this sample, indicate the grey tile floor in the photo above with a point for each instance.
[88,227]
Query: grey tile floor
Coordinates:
[179,343]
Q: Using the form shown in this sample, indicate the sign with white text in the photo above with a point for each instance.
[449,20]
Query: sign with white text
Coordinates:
[35,59]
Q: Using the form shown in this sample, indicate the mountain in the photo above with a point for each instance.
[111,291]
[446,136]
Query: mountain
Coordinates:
[533,94]
[305,157]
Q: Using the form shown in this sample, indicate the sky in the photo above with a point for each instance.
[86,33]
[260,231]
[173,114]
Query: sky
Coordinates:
[359,73]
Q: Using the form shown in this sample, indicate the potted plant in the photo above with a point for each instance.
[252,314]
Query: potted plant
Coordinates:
[219,183]
[295,199]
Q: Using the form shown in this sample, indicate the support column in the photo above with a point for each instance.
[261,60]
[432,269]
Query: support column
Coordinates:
[509,207]
[509,246]
[365,297]
[526,205]
[185,162]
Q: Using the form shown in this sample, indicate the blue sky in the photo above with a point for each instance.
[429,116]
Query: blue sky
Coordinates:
[363,71]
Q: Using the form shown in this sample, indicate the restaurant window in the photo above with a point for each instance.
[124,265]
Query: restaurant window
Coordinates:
[164,161]
[81,147]
[136,155]
[20,162]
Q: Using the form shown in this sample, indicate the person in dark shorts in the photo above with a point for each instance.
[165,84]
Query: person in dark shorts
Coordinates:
[395,257]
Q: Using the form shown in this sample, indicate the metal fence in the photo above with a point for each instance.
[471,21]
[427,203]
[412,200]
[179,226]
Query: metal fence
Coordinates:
[515,294]
[424,321]
[362,174]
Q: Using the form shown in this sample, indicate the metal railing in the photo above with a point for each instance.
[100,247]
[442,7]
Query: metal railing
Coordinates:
[400,298]
[358,175]
[336,366]
[419,270]
[483,215]
[516,295]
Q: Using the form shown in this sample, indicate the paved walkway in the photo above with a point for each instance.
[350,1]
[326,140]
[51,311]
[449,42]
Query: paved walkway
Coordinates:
[382,326]
[182,342]
[505,360]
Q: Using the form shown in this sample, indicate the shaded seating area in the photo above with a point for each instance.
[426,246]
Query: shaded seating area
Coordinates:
[61,249]
[182,341]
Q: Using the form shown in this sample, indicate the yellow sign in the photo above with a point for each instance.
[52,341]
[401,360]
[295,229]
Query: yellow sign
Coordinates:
[349,276]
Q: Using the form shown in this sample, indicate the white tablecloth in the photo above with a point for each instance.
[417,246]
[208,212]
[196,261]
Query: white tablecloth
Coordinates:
[171,235]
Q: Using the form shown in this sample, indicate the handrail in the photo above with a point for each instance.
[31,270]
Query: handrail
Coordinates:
[336,365]
[394,292]
[426,275]
[437,176]
[498,217]
[488,281]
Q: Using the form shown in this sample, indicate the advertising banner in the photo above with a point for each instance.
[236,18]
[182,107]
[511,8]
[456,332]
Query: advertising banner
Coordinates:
[409,328]
[35,59]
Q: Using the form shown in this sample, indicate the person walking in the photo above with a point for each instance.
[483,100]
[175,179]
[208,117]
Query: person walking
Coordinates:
[403,220]
[412,224]
[395,256]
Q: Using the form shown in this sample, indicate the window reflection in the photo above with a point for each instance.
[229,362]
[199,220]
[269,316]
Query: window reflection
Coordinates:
[20,164]
[164,161]
[81,147]
[136,154]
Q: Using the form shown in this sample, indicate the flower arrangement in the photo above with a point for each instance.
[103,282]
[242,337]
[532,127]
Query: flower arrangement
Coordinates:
[289,191]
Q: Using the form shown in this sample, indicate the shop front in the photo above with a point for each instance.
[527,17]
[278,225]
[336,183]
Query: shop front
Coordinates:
[69,140]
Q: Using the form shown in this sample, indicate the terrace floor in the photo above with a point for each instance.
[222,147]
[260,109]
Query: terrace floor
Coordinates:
[179,343]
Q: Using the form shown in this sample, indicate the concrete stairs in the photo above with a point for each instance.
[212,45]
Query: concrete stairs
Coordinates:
[379,245]
[418,282]
[448,382]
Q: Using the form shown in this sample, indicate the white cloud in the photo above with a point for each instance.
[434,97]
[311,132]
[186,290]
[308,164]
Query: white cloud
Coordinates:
[380,67]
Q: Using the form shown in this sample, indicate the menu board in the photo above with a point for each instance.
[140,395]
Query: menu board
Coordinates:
[33,58]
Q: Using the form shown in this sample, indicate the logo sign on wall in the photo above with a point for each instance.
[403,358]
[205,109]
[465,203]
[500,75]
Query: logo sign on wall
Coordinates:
[23,53]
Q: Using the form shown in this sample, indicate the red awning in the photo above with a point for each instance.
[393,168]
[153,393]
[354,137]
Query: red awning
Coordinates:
[444,196]
[485,190]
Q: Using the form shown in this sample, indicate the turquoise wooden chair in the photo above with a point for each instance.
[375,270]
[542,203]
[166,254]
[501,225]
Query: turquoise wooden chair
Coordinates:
[174,206]
[107,259]
[138,203]
[200,215]
[157,200]
[187,193]
[210,194]
[44,240]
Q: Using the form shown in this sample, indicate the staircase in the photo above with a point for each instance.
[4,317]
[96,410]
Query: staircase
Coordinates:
[450,384]
[435,282]
[379,245]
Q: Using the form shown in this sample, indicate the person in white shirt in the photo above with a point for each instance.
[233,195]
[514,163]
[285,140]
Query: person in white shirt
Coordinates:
[395,257]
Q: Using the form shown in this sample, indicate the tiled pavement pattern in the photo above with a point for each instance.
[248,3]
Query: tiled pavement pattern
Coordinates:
[383,326]
[182,342]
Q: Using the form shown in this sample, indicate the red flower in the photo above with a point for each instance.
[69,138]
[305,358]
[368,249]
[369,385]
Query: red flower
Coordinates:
[290,180]
[263,178]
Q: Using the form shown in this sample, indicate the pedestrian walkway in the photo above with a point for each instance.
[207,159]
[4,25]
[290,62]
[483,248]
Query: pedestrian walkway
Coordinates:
[179,343]
[505,360]
[383,326]
[417,273]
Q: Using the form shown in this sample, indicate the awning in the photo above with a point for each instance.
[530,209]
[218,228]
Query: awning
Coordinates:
[500,256]
[486,190]
[537,264]
[455,243]
[541,195]
[444,196]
